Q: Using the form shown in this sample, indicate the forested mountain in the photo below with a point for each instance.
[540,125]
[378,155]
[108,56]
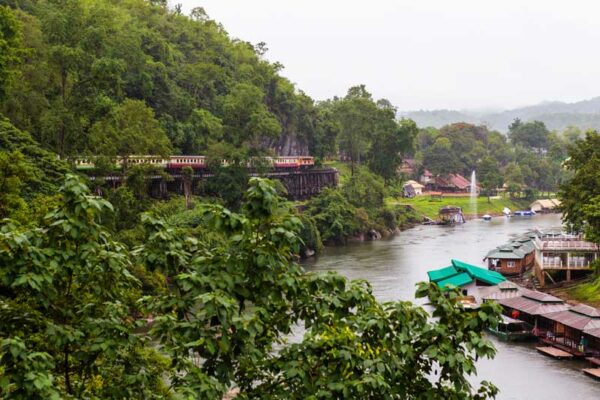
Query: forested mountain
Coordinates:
[556,115]
[87,66]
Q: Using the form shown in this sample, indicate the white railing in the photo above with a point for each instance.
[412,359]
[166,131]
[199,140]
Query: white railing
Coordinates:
[552,262]
[572,263]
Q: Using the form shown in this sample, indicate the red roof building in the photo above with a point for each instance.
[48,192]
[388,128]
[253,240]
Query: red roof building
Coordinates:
[452,183]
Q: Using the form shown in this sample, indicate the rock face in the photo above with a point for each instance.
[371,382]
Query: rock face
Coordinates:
[288,144]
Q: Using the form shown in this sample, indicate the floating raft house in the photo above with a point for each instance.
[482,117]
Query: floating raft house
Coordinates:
[461,274]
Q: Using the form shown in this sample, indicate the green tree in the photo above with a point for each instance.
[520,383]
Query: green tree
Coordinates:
[532,134]
[324,143]
[15,171]
[513,177]
[187,176]
[365,190]
[581,194]
[10,47]
[356,113]
[228,183]
[234,295]
[131,129]
[237,296]
[205,128]
[334,215]
[389,145]
[438,158]
[489,176]
[66,333]
[246,118]
[46,170]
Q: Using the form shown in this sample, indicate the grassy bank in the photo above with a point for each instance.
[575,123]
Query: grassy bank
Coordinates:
[424,205]
[587,292]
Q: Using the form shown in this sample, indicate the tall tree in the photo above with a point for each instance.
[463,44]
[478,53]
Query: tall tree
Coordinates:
[15,171]
[532,134]
[389,144]
[489,175]
[438,158]
[65,332]
[581,194]
[10,45]
[357,114]
[130,129]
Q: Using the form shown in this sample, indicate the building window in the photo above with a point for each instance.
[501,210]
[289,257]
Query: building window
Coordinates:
[510,264]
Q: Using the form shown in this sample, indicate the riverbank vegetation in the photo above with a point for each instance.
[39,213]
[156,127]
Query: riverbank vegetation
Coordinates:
[425,205]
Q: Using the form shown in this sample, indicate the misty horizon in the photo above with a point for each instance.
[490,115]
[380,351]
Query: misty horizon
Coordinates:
[426,55]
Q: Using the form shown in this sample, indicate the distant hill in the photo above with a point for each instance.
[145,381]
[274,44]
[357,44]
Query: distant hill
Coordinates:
[556,115]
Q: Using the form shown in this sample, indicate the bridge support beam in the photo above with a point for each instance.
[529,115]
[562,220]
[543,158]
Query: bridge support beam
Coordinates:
[300,185]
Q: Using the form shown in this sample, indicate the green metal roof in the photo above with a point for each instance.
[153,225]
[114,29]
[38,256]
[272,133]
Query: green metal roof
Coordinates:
[440,274]
[461,273]
[482,274]
[458,280]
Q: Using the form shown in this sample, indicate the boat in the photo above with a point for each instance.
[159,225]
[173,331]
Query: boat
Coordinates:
[512,330]
[487,217]
[506,211]
[451,215]
[524,213]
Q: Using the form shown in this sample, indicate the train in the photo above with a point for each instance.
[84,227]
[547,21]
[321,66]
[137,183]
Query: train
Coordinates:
[199,162]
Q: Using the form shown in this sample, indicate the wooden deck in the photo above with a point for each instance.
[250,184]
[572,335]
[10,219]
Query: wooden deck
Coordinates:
[554,352]
[593,372]
[594,361]
[563,346]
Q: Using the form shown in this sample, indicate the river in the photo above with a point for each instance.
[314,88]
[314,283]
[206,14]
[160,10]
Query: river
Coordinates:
[394,266]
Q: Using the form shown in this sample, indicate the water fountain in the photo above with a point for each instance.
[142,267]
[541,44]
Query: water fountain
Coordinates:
[473,194]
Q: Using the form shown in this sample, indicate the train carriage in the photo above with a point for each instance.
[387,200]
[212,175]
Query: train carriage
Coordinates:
[196,162]
[179,162]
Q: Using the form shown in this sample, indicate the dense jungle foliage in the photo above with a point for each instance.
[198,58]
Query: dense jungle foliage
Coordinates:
[526,162]
[198,309]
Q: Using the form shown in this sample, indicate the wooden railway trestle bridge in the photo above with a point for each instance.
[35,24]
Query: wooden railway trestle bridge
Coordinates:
[300,185]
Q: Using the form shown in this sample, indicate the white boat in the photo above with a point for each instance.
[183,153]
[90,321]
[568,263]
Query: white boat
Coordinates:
[506,211]
[487,217]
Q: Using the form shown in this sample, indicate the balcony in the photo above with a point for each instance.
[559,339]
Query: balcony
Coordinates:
[557,262]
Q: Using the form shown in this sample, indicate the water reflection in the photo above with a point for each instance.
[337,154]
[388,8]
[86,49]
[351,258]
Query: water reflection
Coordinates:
[394,266]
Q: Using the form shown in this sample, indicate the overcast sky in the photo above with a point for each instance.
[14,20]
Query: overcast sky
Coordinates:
[427,54]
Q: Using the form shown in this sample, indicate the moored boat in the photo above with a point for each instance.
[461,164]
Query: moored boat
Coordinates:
[487,217]
[524,213]
[511,329]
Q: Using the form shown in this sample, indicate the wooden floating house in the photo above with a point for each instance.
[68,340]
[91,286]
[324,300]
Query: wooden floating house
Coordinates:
[576,329]
[513,258]
[561,257]
[465,276]
[564,331]
[530,305]
[451,215]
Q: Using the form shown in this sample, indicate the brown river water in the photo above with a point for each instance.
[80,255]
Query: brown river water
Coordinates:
[395,265]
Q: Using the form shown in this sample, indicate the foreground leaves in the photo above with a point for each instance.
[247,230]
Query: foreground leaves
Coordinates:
[72,324]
